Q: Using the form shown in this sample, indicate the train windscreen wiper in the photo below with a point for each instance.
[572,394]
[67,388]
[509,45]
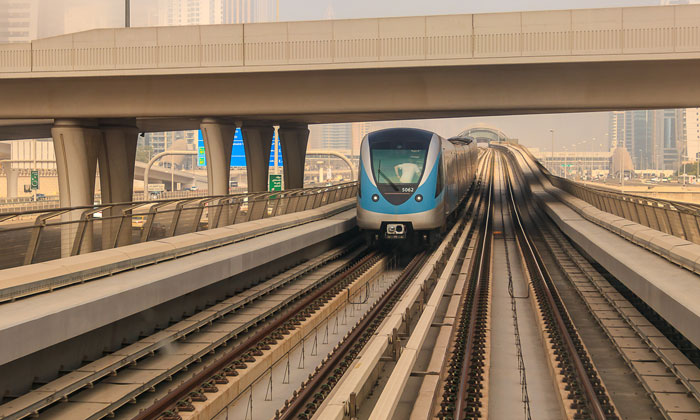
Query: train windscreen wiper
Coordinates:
[379,170]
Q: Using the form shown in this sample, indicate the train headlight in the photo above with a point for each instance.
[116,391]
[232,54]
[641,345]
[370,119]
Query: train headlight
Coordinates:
[419,198]
[375,197]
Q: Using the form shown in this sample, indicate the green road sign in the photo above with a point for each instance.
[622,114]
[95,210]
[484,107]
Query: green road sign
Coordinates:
[34,180]
[566,166]
[275,183]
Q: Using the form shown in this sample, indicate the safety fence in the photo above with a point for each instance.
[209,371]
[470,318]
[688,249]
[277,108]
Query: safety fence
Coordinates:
[26,204]
[41,235]
[671,217]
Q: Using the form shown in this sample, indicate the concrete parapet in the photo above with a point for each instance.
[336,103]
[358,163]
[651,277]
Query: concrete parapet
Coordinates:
[26,280]
[43,320]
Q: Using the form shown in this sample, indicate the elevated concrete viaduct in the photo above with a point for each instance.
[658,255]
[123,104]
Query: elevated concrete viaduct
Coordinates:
[94,88]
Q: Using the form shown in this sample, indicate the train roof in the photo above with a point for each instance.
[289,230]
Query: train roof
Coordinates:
[402,130]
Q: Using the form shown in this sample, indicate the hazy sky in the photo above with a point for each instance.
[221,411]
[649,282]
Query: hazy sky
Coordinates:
[342,9]
[531,130]
[110,12]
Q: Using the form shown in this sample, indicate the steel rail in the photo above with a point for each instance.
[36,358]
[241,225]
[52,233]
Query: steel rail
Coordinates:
[172,398]
[483,269]
[533,255]
[309,389]
[460,239]
[65,390]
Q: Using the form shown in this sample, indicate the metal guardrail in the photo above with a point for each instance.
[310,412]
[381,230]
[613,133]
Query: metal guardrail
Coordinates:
[26,204]
[29,237]
[674,218]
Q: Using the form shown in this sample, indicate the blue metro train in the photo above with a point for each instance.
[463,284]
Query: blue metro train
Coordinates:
[412,181]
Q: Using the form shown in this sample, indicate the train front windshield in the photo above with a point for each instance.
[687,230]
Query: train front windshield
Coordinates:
[398,161]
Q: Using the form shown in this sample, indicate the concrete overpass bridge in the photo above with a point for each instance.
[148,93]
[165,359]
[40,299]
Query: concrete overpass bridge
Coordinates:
[93,91]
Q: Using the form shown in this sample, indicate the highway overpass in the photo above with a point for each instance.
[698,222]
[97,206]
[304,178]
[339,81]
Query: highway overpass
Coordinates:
[93,91]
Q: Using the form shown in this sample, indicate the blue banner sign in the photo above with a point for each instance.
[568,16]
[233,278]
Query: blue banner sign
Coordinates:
[238,151]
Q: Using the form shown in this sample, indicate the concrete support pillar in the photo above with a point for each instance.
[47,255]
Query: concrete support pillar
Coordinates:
[117,157]
[293,141]
[257,141]
[11,175]
[218,141]
[76,145]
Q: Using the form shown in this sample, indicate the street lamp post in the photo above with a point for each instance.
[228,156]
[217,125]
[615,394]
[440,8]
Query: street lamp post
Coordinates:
[127,13]
[551,130]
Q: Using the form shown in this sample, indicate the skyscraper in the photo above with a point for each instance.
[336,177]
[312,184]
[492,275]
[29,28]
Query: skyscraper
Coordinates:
[359,130]
[336,137]
[18,20]
[642,139]
[616,129]
[188,12]
[655,139]
[668,138]
[248,11]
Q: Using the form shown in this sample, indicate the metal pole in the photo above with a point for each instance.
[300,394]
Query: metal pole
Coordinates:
[276,144]
[127,13]
[590,164]
[551,130]
[34,166]
[683,173]
[172,173]
[622,170]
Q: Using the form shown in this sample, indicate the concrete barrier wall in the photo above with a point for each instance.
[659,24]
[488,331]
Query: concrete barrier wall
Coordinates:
[677,219]
[588,32]
[663,243]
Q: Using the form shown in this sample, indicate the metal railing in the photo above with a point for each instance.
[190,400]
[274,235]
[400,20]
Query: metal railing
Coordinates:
[671,217]
[29,237]
[25,204]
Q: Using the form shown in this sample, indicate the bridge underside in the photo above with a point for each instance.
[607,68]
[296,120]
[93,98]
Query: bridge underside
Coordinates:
[177,102]
[93,118]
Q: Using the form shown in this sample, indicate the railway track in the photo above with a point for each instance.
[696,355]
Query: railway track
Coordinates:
[462,362]
[663,363]
[235,362]
[500,306]
[466,385]
[462,388]
[586,391]
[186,343]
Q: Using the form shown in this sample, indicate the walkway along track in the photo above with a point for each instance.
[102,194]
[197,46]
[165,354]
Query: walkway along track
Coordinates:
[585,389]
[313,392]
